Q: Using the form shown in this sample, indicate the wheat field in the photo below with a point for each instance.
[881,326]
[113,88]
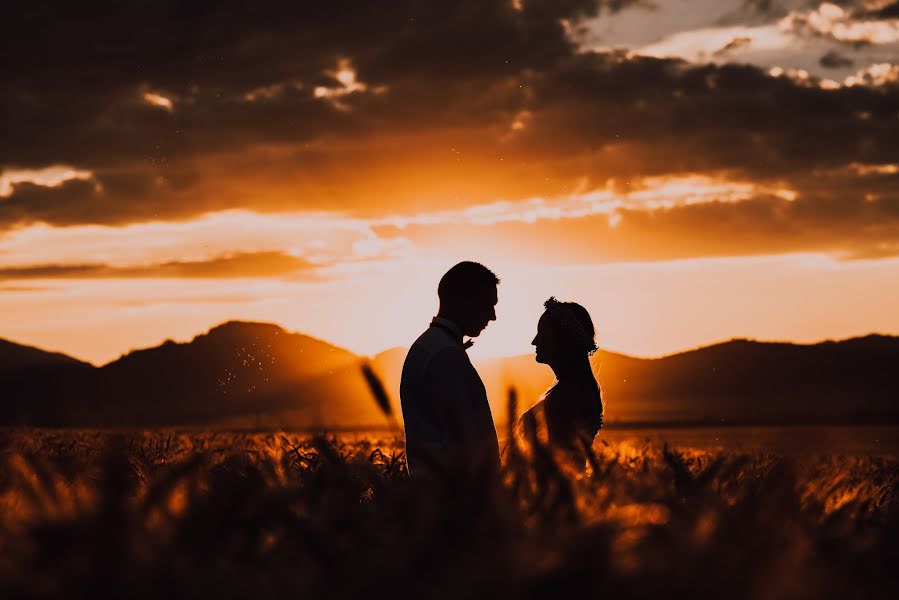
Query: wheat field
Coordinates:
[273,514]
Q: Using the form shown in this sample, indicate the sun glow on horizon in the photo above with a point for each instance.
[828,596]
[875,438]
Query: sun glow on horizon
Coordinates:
[641,309]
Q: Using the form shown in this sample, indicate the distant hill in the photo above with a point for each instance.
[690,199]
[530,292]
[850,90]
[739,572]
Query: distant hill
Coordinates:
[258,374]
[34,382]
[237,371]
[762,381]
[855,380]
[237,367]
[18,356]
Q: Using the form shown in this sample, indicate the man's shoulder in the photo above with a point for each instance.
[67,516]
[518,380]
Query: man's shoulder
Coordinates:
[434,348]
[433,341]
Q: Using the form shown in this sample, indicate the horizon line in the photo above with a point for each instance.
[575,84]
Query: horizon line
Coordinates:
[488,357]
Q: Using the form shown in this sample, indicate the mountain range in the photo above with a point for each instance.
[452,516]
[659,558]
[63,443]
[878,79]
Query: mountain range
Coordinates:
[248,374]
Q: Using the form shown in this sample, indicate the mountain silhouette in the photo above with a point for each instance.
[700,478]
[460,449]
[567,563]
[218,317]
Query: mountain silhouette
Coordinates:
[18,356]
[237,371]
[34,382]
[754,381]
[237,367]
[257,374]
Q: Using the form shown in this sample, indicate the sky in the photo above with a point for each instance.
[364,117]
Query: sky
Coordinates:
[689,171]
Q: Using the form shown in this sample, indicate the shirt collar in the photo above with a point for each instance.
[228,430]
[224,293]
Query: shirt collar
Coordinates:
[451,328]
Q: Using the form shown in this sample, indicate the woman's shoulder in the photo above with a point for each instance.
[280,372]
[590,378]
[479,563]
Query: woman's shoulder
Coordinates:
[577,400]
[574,387]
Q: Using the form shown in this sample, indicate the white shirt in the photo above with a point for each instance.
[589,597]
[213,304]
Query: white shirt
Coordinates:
[444,402]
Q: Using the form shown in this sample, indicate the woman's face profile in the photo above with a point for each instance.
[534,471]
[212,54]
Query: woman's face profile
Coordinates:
[545,341]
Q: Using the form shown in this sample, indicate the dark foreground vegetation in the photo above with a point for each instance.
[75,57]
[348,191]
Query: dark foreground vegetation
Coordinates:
[216,515]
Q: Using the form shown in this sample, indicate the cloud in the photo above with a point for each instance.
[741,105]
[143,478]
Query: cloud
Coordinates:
[90,96]
[848,211]
[346,83]
[734,44]
[717,42]
[241,265]
[885,169]
[316,96]
[834,60]
[846,229]
[582,121]
[24,288]
[301,109]
[878,75]
[831,21]
[107,197]
[185,246]
[154,99]
[647,194]
[889,10]
[52,176]
[699,32]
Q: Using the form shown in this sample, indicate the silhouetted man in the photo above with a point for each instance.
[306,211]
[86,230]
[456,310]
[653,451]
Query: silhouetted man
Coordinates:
[448,421]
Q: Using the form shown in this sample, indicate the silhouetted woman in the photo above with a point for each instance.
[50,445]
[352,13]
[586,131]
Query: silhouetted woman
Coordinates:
[570,413]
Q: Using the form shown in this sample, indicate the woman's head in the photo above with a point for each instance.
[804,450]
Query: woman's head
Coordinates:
[565,331]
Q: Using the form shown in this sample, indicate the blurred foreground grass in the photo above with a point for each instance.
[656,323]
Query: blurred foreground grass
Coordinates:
[224,515]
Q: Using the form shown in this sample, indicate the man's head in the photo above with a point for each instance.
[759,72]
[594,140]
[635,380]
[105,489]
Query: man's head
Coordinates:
[468,297]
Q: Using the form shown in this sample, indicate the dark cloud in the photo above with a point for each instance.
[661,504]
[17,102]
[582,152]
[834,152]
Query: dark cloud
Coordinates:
[734,44]
[75,77]
[677,117]
[430,124]
[890,11]
[834,60]
[79,71]
[249,264]
[114,197]
[761,5]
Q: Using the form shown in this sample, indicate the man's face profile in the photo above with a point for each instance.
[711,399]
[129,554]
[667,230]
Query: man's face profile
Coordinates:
[480,310]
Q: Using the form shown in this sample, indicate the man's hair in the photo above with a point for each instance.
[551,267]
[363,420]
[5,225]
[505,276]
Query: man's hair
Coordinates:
[465,277]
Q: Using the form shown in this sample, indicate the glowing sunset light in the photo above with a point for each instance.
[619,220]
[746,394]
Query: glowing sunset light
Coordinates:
[329,237]
[712,43]
[876,74]
[886,169]
[832,20]
[692,173]
[159,100]
[645,309]
[53,176]
[346,76]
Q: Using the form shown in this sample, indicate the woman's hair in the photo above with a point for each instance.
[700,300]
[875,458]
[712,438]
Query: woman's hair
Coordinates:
[574,324]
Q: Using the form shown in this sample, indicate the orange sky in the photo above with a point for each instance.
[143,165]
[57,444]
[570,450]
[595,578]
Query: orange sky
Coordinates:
[645,309]
[690,174]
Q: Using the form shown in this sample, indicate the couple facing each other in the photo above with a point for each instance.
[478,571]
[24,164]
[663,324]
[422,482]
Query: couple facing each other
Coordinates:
[447,418]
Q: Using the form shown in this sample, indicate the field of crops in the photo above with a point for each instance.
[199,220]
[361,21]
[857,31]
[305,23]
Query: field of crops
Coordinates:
[190,515]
